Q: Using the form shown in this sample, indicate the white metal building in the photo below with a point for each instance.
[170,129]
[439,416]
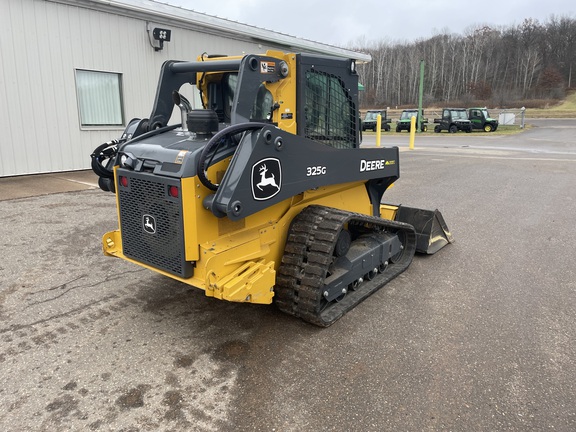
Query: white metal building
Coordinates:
[74,72]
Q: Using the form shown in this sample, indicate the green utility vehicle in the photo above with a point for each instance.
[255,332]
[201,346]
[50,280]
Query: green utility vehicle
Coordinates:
[369,121]
[481,120]
[453,120]
[403,122]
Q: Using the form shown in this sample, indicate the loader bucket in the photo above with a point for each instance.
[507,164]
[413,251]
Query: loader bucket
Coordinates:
[432,233]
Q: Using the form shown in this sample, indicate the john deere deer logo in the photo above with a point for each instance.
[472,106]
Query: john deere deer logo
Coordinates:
[266,178]
[265,181]
[149,224]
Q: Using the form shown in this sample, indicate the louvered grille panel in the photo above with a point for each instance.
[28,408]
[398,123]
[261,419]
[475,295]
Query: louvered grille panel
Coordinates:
[145,207]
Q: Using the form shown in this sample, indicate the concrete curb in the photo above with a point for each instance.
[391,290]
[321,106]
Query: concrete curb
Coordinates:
[45,184]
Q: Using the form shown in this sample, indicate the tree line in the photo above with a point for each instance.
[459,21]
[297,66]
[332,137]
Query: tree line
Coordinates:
[499,66]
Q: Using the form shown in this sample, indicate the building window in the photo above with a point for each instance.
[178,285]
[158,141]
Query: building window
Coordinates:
[99,98]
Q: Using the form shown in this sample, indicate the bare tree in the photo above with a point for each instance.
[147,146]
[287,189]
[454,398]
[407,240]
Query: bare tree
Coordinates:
[529,60]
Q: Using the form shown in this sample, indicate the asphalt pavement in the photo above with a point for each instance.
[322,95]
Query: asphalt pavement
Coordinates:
[479,337]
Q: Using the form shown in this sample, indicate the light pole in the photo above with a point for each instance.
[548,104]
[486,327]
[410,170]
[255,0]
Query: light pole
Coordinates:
[420,94]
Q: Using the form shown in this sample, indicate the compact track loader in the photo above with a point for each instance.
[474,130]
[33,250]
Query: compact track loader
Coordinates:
[264,194]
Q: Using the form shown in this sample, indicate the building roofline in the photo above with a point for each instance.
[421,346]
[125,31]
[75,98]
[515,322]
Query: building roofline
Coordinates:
[153,11]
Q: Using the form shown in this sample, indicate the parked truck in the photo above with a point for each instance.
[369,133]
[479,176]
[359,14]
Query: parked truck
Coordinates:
[405,119]
[371,117]
[481,119]
[453,120]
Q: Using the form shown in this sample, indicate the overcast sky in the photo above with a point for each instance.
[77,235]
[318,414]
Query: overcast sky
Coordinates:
[346,22]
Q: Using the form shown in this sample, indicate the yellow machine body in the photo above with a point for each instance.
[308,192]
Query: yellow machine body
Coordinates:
[237,261]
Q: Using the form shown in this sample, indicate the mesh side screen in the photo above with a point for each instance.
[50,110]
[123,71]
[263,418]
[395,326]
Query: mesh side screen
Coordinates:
[330,113]
[163,249]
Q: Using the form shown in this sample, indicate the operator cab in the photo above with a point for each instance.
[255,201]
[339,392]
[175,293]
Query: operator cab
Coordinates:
[221,100]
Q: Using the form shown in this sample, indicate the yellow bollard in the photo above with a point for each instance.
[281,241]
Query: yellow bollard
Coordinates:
[378,126]
[412,131]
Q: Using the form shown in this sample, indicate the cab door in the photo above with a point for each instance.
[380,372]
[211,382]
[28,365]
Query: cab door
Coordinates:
[477,118]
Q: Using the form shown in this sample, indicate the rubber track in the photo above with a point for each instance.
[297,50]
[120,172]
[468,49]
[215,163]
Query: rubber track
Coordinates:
[308,255]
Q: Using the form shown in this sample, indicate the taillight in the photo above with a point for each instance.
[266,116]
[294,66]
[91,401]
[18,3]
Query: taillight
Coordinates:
[124,181]
[173,191]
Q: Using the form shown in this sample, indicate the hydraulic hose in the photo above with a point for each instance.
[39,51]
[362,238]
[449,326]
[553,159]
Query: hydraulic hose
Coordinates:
[204,162]
[102,153]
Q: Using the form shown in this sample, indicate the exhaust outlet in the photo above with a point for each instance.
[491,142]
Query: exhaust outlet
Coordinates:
[185,107]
